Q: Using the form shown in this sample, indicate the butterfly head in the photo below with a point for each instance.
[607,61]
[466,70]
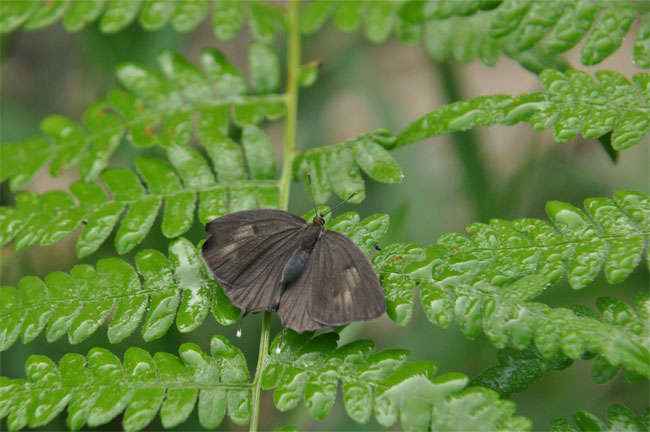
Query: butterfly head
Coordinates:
[318,220]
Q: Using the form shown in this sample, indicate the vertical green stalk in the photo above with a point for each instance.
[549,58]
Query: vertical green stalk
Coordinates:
[290,121]
[291,102]
[467,147]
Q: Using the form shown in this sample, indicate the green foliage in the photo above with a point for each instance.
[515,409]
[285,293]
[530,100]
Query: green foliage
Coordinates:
[99,387]
[336,167]
[310,369]
[619,417]
[178,287]
[158,110]
[463,30]
[198,146]
[572,103]
[49,217]
[517,370]
[488,282]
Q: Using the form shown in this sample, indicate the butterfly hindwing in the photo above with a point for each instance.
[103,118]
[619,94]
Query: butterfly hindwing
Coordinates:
[247,252]
[344,287]
[294,304]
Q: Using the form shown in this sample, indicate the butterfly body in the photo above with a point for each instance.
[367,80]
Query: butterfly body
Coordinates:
[300,256]
[272,260]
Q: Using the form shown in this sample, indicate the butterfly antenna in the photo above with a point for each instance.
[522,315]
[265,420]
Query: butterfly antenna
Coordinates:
[311,188]
[340,204]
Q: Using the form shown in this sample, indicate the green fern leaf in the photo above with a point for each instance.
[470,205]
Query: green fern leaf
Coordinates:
[156,14]
[77,304]
[151,101]
[642,43]
[572,102]
[118,14]
[310,369]
[48,218]
[179,287]
[484,29]
[564,25]
[517,370]
[512,27]
[265,19]
[517,27]
[14,13]
[99,387]
[619,417]
[336,167]
[487,282]
[227,19]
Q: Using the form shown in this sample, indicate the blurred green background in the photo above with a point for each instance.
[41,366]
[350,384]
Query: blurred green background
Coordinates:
[450,181]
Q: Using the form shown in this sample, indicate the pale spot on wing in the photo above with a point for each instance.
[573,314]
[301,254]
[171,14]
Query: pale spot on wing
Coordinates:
[347,298]
[352,279]
[351,274]
[228,248]
[243,231]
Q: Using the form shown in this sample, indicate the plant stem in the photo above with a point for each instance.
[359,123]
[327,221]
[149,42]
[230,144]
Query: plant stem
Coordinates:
[290,121]
[467,147]
[291,94]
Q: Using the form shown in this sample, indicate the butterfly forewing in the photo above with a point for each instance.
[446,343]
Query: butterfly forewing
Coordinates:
[344,287]
[247,251]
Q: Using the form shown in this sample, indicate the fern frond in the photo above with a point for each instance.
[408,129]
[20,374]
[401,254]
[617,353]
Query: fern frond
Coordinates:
[518,370]
[564,24]
[311,369]
[178,287]
[49,217]
[619,417]
[516,27]
[264,19]
[98,387]
[485,29]
[572,103]
[154,110]
[461,29]
[337,167]
[488,281]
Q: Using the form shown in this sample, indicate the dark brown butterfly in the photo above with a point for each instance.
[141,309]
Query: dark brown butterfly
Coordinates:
[272,260]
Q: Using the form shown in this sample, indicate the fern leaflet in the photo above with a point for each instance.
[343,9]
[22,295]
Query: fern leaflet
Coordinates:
[311,369]
[154,110]
[179,287]
[489,281]
[619,417]
[98,387]
[265,19]
[517,370]
[572,102]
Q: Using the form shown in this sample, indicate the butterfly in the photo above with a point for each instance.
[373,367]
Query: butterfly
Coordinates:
[272,260]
